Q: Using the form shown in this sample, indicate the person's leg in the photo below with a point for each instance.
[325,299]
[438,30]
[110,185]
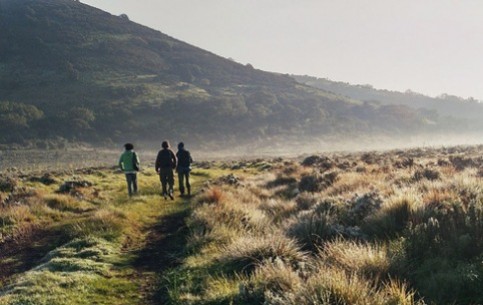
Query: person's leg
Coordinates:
[180,181]
[188,185]
[129,183]
[170,178]
[135,183]
[163,178]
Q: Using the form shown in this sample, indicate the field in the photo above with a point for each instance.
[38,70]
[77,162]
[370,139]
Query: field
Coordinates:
[392,227]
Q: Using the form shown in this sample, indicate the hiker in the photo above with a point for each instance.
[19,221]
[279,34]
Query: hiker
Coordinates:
[165,164]
[129,164]
[184,168]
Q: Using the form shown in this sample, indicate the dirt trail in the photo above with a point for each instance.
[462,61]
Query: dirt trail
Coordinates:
[165,245]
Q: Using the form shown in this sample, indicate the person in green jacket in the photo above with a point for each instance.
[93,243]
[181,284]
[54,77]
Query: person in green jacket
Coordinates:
[129,164]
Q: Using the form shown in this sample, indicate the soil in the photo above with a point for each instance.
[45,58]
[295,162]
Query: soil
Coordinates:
[164,249]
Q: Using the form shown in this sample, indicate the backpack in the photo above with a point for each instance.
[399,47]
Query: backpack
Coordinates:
[184,158]
[165,158]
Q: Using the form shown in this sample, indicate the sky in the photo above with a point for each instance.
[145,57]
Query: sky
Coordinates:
[427,46]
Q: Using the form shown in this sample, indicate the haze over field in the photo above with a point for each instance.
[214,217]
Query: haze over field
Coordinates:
[432,47]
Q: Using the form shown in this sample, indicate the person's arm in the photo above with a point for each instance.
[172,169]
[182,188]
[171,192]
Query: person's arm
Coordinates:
[138,162]
[175,161]
[121,164]
[191,159]
[157,164]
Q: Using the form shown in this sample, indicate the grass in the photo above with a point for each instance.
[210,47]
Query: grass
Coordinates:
[100,232]
[392,233]
[395,232]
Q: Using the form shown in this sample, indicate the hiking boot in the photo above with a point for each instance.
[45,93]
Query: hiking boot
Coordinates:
[171,195]
[164,195]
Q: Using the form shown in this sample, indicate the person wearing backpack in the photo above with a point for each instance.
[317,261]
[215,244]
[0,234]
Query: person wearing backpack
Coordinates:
[165,164]
[129,164]
[184,168]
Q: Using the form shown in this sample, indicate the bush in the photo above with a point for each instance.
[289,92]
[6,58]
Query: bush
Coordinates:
[446,281]
[7,184]
[392,219]
[427,173]
[369,260]
[317,182]
[311,228]
[306,201]
[270,282]
[362,206]
[248,252]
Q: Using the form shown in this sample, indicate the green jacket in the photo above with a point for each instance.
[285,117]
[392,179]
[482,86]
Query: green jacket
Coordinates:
[126,161]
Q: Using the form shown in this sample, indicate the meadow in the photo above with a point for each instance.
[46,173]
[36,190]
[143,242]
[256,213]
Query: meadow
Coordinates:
[386,227]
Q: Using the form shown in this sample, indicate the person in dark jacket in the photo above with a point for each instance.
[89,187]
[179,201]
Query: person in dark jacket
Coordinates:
[165,164]
[184,168]
[129,164]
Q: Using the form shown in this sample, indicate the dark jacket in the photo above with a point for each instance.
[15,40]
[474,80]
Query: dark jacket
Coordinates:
[184,158]
[165,159]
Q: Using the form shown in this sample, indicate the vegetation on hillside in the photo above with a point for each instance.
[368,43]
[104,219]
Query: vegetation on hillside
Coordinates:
[76,73]
[455,111]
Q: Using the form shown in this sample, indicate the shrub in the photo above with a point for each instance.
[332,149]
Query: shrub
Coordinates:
[427,173]
[270,284]
[306,201]
[322,162]
[235,215]
[245,253]
[460,163]
[332,286]
[7,184]
[362,206]
[370,260]
[212,195]
[445,281]
[46,179]
[279,210]
[317,182]
[327,286]
[73,187]
[281,180]
[392,218]
[311,228]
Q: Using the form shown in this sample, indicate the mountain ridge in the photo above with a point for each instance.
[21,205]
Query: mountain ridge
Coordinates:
[445,104]
[70,72]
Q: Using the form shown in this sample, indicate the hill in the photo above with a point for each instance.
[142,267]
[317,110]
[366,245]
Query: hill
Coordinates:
[70,72]
[444,105]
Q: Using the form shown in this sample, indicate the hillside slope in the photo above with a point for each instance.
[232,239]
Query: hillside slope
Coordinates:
[71,72]
[444,105]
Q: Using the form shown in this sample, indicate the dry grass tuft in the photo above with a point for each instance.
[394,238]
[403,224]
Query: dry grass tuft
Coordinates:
[370,260]
[212,195]
[247,252]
